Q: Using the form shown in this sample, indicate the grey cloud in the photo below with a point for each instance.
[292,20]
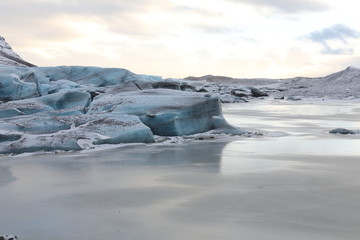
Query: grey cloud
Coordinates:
[78,7]
[186,10]
[222,30]
[338,51]
[338,32]
[289,6]
[120,16]
[213,29]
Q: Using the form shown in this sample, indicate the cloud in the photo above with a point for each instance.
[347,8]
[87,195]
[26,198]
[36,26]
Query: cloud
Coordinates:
[336,32]
[339,34]
[79,7]
[44,19]
[337,51]
[288,6]
[213,29]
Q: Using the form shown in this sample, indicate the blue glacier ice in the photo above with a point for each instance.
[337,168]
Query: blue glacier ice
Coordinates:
[166,112]
[76,107]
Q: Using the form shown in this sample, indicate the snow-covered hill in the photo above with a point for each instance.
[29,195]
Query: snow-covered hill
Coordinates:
[9,57]
[339,85]
[344,84]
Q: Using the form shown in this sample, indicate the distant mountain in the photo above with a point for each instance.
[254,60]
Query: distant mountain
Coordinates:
[347,76]
[229,80]
[340,85]
[9,57]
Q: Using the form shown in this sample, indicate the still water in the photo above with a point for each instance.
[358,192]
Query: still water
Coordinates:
[295,182]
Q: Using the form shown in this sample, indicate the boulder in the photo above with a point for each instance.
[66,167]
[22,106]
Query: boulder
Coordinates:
[239,93]
[8,237]
[341,131]
[257,93]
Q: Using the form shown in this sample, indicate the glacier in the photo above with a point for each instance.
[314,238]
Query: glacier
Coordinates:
[71,108]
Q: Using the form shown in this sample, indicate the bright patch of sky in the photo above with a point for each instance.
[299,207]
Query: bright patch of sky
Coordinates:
[178,38]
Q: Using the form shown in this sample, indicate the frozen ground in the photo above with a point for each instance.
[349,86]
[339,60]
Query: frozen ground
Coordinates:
[298,182]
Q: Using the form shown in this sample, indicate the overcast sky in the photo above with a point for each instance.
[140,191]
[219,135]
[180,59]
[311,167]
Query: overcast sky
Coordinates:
[179,38]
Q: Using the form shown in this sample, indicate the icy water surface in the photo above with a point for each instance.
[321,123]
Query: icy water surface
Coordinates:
[297,182]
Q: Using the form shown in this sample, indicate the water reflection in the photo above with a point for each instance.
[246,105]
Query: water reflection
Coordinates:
[294,118]
[194,155]
[6,176]
[204,155]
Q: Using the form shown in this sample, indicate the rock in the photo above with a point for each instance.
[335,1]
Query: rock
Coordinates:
[167,84]
[239,93]
[201,90]
[341,131]
[9,57]
[257,93]
[8,237]
[293,98]
[187,87]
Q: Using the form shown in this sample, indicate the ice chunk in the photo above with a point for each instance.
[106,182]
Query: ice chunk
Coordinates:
[220,126]
[12,88]
[119,129]
[67,99]
[166,112]
[36,124]
[96,76]
[22,107]
[71,100]
[6,137]
[33,143]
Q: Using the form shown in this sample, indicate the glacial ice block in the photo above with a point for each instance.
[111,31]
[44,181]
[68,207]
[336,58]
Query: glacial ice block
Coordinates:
[49,133]
[117,129]
[166,112]
[33,143]
[35,124]
[95,76]
[70,100]
[13,88]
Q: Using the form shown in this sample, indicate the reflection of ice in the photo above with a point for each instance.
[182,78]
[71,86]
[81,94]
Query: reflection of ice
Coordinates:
[237,158]
[265,154]
[293,118]
[229,165]
[6,176]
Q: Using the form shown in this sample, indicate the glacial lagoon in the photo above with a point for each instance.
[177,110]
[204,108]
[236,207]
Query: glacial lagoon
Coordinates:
[295,182]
